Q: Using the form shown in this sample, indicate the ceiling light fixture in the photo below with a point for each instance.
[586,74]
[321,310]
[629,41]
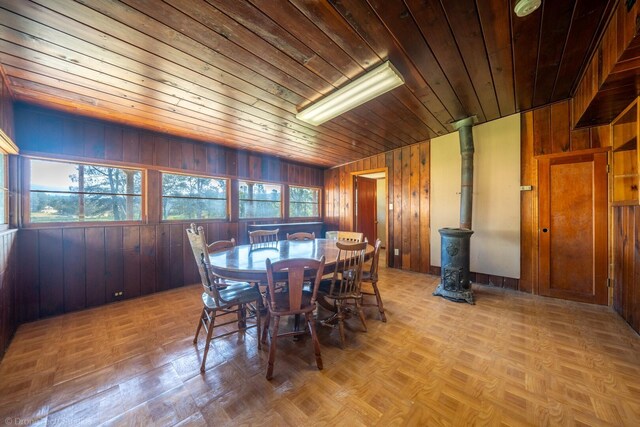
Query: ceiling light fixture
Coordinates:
[526,7]
[366,87]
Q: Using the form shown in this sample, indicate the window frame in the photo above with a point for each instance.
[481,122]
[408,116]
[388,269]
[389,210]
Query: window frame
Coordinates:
[311,187]
[5,224]
[26,205]
[282,201]
[227,198]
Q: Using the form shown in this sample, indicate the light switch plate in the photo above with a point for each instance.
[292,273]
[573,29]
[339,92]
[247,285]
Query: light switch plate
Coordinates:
[396,251]
[390,206]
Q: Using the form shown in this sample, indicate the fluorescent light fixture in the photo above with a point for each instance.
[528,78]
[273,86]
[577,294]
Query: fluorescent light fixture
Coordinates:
[373,83]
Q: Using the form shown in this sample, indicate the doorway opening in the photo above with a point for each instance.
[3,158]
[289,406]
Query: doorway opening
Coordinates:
[370,206]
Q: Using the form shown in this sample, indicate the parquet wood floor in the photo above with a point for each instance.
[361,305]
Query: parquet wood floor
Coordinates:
[512,359]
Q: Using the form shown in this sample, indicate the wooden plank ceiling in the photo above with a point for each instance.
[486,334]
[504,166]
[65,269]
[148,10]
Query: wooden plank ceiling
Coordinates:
[236,72]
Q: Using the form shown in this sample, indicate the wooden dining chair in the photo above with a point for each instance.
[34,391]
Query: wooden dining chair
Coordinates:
[221,245]
[371,276]
[301,236]
[350,236]
[343,289]
[221,298]
[331,235]
[293,300]
[263,236]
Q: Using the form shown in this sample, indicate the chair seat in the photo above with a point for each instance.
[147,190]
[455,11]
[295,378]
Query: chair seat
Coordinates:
[224,283]
[240,293]
[282,302]
[368,277]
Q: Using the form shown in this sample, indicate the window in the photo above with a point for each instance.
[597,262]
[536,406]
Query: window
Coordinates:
[304,202]
[193,197]
[4,191]
[260,200]
[70,192]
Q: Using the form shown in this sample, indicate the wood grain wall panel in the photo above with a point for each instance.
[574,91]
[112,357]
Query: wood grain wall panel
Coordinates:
[626,250]
[130,145]
[553,132]
[414,211]
[72,135]
[176,254]
[95,256]
[131,261]
[147,259]
[113,263]
[600,136]
[51,266]
[559,127]
[542,131]
[114,149]
[10,297]
[146,147]
[388,162]
[163,257]
[397,207]
[423,192]
[74,265]
[580,139]
[408,181]
[405,250]
[94,140]
[28,294]
[528,207]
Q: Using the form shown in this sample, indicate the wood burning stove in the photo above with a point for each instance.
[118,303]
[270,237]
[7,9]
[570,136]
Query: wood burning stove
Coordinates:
[454,259]
[455,255]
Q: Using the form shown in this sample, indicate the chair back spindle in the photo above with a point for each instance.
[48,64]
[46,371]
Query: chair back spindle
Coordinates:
[347,274]
[201,255]
[350,236]
[263,236]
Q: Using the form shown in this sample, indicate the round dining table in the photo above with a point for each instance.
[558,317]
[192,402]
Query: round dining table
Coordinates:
[247,262]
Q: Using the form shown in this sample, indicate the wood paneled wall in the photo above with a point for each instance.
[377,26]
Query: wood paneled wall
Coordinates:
[407,189]
[8,270]
[8,321]
[545,131]
[74,267]
[626,254]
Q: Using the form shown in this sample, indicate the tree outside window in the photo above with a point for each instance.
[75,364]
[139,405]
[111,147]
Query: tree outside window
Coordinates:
[259,200]
[304,202]
[71,192]
[187,197]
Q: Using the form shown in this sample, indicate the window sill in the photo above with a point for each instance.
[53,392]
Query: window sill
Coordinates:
[81,224]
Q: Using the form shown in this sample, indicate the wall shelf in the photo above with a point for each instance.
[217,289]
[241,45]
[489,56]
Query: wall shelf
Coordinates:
[624,137]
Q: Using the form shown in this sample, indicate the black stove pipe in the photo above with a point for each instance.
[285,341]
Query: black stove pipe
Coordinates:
[466,189]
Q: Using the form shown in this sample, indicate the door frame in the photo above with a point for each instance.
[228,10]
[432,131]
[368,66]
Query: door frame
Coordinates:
[353,175]
[537,227]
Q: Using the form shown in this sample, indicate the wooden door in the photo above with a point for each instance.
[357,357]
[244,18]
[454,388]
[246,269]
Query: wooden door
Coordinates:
[366,216]
[573,227]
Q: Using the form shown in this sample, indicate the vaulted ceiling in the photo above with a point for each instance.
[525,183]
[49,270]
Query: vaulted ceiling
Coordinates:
[236,72]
